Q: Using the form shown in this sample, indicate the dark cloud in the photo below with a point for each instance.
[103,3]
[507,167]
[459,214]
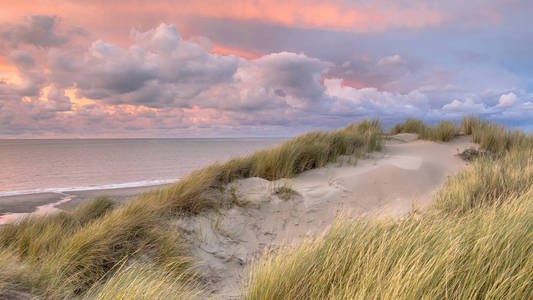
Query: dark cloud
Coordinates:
[39,31]
[162,83]
[22,59]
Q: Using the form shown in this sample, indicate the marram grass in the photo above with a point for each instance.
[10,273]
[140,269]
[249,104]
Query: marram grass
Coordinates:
[484,255]
[443,131]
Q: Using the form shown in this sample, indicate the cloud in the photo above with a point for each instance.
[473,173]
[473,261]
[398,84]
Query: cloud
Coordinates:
[22,59]
[163,84]
[159,70]
[468,106]
[391,60]
[37,30]
[507,99]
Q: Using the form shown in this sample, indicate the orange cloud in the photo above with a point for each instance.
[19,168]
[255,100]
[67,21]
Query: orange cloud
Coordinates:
[9,72]
[224,50]
[300,13]
[352,84]
[5,66]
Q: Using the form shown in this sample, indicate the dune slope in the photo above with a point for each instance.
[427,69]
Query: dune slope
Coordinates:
[393,182]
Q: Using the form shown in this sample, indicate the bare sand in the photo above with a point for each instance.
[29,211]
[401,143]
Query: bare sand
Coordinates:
[392,182]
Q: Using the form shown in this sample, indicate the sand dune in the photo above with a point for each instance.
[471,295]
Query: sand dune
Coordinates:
[392,182]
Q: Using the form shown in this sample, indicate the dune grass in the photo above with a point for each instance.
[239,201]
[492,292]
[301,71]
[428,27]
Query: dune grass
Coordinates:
[443,131]
[494,137]
[488,181]
[284,191]
[34,237]
[144,282]
[485,255]
[71,253]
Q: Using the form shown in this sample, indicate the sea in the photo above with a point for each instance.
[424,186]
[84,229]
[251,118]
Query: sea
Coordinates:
[36,166]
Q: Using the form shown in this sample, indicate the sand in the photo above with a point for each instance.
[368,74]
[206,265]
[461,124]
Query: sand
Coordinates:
[15,207]
[393,182]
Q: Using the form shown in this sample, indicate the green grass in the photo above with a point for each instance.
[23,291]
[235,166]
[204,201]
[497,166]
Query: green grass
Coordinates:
[70,253]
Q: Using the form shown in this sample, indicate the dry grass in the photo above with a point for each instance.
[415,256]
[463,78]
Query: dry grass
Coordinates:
[486,255]
[494,137]
[488,181]
[284,191]
[144,281]
[443,131]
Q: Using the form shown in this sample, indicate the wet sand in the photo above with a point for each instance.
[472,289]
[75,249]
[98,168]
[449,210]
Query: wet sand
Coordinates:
[12,207]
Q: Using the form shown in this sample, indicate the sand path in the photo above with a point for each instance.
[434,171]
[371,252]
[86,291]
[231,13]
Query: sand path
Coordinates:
[392,182]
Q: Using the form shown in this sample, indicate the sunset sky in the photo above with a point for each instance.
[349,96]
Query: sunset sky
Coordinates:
[258,68]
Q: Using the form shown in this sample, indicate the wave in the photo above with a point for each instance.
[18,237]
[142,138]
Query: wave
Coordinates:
[90,188]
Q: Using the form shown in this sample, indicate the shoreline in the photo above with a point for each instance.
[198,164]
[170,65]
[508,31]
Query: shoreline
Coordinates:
[15,206]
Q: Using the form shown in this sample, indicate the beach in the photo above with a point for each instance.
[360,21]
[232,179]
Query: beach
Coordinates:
[13,207]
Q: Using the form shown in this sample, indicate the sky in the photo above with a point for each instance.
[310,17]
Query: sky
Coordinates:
[204,68]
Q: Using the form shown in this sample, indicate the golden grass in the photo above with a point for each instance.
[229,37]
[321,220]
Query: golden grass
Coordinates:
[443,131]
[494,137]
[144,281]
[488,181]
[34,237]
[485,255]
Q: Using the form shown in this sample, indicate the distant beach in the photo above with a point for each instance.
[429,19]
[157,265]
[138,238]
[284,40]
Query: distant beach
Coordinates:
[17,206]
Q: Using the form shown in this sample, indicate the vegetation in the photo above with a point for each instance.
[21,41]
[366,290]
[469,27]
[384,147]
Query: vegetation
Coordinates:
[475,242]
[285,191]
[489,181]
[494,137]
[144,282]
[485,255]
[72,253]
[443,131]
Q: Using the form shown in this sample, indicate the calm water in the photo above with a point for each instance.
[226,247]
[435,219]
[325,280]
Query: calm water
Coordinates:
[29,166]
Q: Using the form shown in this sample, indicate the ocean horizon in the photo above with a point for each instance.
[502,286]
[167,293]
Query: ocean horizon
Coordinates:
[32,166]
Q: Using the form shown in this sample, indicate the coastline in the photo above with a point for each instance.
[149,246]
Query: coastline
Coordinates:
[15,206]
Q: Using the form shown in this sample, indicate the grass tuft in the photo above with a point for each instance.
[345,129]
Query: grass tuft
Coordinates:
[443,131]
[285,191]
